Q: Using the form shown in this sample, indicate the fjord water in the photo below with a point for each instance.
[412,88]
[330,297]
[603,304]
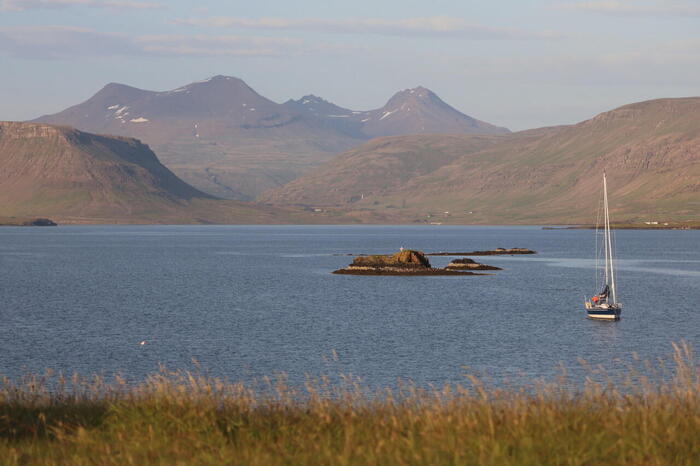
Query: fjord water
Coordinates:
[252,301]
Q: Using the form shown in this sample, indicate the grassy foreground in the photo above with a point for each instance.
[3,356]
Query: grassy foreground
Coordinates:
[180,418]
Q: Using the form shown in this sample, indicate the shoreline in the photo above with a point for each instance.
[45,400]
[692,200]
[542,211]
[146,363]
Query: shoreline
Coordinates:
[26,221]
[633,226]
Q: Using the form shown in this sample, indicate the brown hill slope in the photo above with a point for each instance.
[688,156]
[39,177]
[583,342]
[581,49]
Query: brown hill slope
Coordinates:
[378,168]
[76,177]
[651,151]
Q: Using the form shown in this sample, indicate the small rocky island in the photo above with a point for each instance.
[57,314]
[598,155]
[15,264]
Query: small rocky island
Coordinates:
[492,252]
[469,264]
[409,262]
[27,222]
[40,222]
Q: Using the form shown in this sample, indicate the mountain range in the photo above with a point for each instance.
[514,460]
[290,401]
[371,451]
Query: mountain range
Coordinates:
[650,150]
[227,140]
[411,111]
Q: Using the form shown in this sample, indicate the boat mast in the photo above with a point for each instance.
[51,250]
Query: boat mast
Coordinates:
[608,242]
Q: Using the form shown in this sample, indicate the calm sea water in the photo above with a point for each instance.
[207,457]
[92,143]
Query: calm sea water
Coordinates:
[251,301]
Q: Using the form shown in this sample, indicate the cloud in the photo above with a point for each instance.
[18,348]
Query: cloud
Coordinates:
[648,67]
[633,8]
[62,42]
[201,45]
[24,5]
[57,42]
[430,26]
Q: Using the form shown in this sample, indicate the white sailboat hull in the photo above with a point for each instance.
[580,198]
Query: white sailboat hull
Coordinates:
[605,315]
[605,311]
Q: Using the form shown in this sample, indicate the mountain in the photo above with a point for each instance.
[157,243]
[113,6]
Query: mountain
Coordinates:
[650,150]
[411,111]
[218,134]
[226,139]
[118,107]
[332,116]
[421,111]
[77,177]
[319,107]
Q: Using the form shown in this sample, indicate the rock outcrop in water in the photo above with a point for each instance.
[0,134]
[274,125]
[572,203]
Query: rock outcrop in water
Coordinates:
[40,222]
[407,262]
[492,252]
[27,222]
[469,264]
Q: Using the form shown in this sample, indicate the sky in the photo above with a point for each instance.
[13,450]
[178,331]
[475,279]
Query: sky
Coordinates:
[515,63]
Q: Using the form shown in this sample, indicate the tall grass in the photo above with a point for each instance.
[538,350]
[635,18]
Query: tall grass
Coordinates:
[184,418]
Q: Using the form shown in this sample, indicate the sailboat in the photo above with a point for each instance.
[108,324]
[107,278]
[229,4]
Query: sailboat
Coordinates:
[604,305]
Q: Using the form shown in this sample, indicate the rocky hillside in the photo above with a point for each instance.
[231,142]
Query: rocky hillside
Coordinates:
[650,150]
[77,177]
[226,139]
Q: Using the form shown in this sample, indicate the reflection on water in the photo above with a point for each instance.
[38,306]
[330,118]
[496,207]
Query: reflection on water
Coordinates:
[628,265]
[661,270]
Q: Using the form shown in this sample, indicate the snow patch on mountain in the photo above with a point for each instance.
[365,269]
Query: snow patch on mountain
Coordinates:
[386,114]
